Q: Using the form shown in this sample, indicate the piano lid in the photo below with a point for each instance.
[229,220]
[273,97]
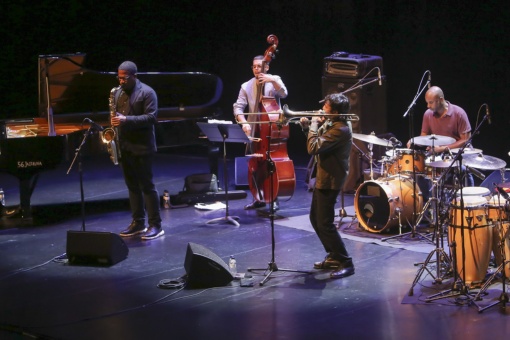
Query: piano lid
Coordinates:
[74,90]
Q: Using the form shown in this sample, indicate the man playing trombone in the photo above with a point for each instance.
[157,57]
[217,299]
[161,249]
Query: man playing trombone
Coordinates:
[329,140]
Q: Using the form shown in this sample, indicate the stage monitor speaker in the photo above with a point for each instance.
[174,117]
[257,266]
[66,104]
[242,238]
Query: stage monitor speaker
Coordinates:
[204,268]
[368,102]
[95,248]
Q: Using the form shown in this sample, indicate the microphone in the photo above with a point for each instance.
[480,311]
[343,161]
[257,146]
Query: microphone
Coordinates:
[487,114]
[430,79]
[395,142]
[379,76]
[475,172]
[502,191]
[94,125]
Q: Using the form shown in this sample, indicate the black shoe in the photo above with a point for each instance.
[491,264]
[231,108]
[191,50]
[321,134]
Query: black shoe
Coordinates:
[346,269]
[135,228]
[152,233]
[328,263]
[255,205]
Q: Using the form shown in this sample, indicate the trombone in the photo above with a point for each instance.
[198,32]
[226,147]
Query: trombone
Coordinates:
[286,116]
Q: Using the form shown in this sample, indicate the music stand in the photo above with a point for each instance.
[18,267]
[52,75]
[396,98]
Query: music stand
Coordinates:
[231,133]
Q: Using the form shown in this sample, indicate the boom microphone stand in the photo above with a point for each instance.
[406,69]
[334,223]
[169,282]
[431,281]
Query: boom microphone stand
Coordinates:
[410,112]
[272,267]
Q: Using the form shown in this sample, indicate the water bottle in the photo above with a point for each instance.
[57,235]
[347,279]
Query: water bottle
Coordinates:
[2,198]
[166,199]
[232,265]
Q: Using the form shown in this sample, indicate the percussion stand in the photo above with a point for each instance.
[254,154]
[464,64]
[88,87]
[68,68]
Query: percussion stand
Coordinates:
[459,286]
[272,267]
[503,297]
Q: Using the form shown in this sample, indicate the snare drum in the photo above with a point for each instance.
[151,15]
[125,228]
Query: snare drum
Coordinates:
[470,230]
[475,191]
[403,163]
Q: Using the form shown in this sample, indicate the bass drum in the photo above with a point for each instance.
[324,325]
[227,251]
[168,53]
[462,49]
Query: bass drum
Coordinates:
[382,205]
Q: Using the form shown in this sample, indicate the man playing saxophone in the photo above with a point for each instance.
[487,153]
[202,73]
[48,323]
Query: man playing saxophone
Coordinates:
[137,107]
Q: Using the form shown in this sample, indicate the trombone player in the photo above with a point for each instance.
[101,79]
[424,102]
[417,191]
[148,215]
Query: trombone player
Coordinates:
[329,141]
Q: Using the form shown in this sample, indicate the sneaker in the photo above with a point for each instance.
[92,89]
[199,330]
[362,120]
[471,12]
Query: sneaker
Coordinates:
[135,228]
[152,233]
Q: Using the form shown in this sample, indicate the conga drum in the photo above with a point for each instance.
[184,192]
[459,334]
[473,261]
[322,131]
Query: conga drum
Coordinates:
[470,238]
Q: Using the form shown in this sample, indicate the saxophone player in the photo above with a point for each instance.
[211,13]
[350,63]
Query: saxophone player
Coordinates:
[137,108]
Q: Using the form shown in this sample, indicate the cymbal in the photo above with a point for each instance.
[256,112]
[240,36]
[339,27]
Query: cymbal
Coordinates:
[437,140]
[442,164]
[467,151]
[481,161]
[371,139]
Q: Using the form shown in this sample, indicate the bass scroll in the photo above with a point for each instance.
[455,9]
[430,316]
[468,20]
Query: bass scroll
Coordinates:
[110,136]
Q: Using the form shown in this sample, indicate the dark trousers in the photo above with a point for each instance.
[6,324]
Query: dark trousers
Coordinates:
[143,196]
[322,217]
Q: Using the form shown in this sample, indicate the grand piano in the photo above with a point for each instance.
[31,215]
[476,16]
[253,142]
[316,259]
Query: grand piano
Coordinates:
[70,92]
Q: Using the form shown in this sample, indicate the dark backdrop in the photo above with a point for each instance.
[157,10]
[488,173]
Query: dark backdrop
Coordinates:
[464,45]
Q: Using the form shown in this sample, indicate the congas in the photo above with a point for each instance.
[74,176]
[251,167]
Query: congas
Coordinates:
[497,208]
[501,232]
[470,238]
[381,205]
[403,162]
[475,191]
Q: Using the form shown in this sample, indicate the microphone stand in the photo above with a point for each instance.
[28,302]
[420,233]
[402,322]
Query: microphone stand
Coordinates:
[410,112]
[77,156]
[272,266]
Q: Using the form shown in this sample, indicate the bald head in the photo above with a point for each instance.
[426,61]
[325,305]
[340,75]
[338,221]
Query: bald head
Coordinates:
[435,92]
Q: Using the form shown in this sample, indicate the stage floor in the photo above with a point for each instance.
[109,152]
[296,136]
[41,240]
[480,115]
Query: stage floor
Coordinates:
[44,296]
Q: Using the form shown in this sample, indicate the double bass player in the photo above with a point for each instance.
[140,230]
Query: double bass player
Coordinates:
[262,84]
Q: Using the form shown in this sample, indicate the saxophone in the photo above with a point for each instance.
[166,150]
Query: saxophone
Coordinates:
[110,136]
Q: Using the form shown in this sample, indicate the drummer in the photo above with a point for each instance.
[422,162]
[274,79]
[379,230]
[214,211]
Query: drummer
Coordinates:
[445,119]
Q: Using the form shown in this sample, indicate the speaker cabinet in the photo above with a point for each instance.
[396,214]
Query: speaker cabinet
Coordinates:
[204,268]
[95,248]
[367,101]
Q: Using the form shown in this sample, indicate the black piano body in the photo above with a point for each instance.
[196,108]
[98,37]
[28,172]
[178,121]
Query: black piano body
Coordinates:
[69,92]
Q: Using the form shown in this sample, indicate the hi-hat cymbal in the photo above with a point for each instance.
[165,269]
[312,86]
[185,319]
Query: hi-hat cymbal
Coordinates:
[371,139]
[467,151]
[437,140]
[481,161]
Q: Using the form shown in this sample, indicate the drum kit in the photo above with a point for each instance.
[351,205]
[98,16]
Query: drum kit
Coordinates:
[476,220]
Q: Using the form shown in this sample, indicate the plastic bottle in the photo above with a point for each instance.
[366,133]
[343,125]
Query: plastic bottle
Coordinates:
[232,265]
[166,199]
[2,197]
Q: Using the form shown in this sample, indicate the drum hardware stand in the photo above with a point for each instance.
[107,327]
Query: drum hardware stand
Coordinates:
[232,133]
[459,286]
[503,297]
[272,267]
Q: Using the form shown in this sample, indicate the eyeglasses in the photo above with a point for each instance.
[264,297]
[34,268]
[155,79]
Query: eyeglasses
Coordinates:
[123,78]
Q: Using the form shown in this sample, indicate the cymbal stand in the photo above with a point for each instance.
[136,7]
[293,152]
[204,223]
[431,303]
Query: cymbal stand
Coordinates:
[272,266]
[503,297]
[342,213]
[443,263]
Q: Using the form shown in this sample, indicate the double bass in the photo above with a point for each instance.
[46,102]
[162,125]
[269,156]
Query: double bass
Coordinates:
[271,173]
